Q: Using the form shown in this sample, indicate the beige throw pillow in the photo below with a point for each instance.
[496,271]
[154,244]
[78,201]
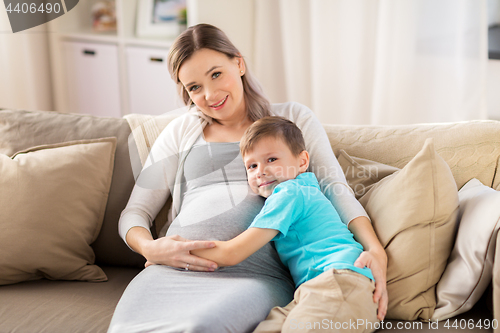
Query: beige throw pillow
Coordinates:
[470,266]
[362,174]
[414,213]
[20,130]
[53,199]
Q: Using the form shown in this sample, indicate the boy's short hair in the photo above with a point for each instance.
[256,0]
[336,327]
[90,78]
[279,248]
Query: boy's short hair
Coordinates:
[276,127]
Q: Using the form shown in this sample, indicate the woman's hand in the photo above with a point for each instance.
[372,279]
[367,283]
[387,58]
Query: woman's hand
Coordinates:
[174,251]
[377,263]
[375,258]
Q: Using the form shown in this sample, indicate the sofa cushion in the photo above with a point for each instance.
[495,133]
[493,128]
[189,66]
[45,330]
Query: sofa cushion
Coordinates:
[414,212]
[63,306]
[23,129]
[53,200]
[470,266]
[477,320]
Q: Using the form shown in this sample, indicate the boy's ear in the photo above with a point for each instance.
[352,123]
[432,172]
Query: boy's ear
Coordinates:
[304,161]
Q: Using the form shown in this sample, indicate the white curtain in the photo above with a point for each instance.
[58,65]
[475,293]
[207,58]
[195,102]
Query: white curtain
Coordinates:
[375,61]
[25,81]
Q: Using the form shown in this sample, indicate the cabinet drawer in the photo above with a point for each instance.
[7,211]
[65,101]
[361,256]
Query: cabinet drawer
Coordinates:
[92,78]
[151,90]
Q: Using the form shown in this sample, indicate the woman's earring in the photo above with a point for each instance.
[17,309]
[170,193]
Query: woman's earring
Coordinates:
[241,72]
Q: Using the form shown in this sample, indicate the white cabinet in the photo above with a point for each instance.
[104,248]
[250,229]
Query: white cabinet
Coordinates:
[92,78]
[150,88]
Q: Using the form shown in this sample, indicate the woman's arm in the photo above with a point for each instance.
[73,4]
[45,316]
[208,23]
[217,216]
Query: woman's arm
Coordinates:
[236,250]
[149,195]
[375,258]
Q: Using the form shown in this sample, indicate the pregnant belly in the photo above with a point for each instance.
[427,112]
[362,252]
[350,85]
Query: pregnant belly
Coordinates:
[221,213]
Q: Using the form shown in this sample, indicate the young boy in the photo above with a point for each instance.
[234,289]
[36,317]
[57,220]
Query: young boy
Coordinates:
[310,238]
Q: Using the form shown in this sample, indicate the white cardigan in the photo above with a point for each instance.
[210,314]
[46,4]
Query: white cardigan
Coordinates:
[163,170]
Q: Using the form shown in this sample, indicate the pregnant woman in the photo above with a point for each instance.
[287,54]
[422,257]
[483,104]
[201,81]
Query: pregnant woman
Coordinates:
[196,162]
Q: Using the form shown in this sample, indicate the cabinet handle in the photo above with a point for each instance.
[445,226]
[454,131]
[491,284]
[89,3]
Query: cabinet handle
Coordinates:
[156,59]
[89,52]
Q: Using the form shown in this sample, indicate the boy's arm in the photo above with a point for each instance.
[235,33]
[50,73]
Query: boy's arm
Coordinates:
[236,250]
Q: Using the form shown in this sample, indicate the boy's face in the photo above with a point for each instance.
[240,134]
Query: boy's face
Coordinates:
[271,162]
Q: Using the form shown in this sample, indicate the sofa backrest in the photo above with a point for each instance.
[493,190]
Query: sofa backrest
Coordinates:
[471,148]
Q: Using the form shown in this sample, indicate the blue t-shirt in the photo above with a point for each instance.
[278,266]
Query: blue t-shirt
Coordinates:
[312,238]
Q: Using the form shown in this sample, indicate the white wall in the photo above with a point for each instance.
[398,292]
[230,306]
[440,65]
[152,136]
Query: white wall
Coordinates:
[234,17]
[493,92]
[493,66]
[493,12]
[25,81]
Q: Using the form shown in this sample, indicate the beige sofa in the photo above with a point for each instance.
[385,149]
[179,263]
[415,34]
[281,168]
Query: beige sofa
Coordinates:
[471,149]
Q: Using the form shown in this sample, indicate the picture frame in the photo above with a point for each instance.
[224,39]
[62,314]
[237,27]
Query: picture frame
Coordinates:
[159,18]
[103,16]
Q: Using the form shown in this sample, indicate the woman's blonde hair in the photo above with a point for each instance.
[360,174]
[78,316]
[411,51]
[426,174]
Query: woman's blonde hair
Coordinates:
[206,36]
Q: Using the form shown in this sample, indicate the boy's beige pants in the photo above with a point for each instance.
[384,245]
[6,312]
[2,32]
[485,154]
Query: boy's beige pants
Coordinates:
[335,301]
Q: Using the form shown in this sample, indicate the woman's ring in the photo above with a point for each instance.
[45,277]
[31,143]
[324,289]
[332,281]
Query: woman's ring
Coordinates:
[187,267]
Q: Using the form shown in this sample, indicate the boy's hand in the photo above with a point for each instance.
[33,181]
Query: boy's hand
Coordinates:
[377,263]
[174,251]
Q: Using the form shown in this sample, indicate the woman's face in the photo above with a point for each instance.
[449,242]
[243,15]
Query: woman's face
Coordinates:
[213,81]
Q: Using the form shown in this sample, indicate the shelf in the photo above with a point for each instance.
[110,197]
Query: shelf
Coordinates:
[76,26]
[90,36]
[79,29]
[149,42]
[113,38]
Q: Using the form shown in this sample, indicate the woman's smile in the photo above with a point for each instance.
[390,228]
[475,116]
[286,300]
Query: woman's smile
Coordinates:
[220,104]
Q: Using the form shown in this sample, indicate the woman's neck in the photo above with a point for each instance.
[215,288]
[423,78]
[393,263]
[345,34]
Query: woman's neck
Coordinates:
[236,122]
[226,131]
